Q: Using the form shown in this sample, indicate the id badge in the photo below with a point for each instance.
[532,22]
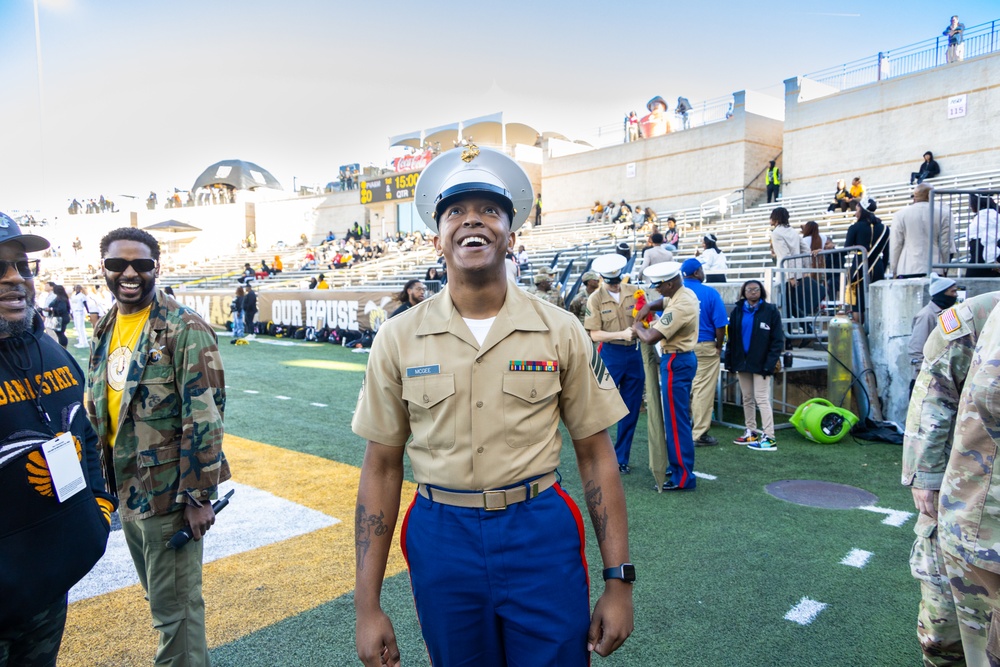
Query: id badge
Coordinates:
[64,466]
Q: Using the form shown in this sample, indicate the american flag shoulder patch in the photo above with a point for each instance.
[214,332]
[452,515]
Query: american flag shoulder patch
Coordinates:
[949,321]
[542,366]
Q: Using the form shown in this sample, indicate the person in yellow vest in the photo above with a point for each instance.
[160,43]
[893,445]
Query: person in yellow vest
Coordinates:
[773,180]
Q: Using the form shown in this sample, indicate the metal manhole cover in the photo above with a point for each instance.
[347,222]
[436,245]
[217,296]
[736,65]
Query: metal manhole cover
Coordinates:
[813,493]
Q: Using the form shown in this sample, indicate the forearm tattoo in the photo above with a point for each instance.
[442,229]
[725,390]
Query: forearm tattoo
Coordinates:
[364,526]
[598,512]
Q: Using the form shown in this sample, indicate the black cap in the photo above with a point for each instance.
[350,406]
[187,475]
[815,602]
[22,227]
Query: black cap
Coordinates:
[11,231]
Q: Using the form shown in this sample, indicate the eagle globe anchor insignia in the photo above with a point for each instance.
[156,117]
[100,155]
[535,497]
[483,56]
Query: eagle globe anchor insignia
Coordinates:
[470,153]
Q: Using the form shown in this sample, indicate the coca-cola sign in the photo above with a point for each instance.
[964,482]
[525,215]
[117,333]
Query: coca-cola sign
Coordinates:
[413,162]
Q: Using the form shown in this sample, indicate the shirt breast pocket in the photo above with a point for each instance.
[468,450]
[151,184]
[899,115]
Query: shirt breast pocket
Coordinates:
[432,416]
[530,407]
[156,396]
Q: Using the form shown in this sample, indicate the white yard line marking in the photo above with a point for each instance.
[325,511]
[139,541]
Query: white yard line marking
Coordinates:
[250,391]
[893,517]
[319,405]
[805,611]
[704,475]
[283,398]
[857,558]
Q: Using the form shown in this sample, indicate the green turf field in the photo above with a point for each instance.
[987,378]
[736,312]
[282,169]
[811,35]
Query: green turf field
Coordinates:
[718,569]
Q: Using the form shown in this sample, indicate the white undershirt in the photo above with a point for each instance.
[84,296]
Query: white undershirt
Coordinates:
[479,328]
[617,296]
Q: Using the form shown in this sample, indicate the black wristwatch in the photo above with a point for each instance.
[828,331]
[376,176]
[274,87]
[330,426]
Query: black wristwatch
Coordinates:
[625,572]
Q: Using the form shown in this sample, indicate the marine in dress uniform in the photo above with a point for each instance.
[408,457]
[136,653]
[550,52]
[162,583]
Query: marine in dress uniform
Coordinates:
[930,428]
[677,331]
[968,509]
[471,384]
[609,319]
[712,322]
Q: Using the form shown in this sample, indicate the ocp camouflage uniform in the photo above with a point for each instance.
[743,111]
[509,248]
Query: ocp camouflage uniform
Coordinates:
[929,430]
[552,295]
[969,506]
[167,454]
[578,306]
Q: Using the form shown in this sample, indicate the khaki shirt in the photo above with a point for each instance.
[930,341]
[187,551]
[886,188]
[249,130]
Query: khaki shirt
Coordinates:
[969,509]
[481,417]
[606,314]
[679,322]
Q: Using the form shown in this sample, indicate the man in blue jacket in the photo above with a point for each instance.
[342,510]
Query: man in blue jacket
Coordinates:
[54,527]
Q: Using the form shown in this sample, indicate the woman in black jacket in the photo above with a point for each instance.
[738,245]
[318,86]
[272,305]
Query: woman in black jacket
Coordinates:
[755,343]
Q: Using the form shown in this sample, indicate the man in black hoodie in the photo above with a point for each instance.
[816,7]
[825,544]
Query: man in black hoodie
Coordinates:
[52,530]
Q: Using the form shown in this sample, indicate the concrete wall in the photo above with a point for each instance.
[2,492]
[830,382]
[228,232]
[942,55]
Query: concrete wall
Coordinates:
[894,303]
[880,131]
[679,170]
[286,219]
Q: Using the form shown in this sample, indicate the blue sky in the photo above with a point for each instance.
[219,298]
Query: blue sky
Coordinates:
[139,95]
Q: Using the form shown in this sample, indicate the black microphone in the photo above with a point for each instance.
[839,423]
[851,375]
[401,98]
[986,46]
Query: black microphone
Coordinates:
[183,536]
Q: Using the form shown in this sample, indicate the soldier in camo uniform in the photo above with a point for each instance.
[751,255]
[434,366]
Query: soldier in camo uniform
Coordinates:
[156,400]
[968,509]
[589,282]
[930,425]
[545,288]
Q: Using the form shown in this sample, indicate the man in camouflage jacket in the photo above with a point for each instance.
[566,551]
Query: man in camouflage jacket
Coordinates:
[165,440]
[545,288]
[968,506]
[930,427]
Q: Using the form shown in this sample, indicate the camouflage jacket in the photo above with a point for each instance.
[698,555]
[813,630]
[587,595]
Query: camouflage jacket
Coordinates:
[930,420]
[579,304]
[168,451]
[969,510]
[552,296]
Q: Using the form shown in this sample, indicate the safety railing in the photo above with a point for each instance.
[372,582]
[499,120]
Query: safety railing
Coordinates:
[978,40]
[969,222]
[810,289]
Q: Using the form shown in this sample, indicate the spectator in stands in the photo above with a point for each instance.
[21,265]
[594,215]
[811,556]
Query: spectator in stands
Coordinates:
[264,271]
[312,283]
[309,261]
[321,282]
[432,274]
[944,295]
[608,212]
[523,261]
[928,169]
[655,253]
[277,266]
[638,217]
[755,343]
[589,281]
[983,236]
[632,127]
[651,216]
[912,241]
[672,237]
[596,212]
[655,123]
[869,232]
[841,198]
[683,109]
[856,191]
[236,310]
[248,272]
[510,264]
[772,178]
[785,241]
[712,260]
[956,40]
[623,221]
[413,292]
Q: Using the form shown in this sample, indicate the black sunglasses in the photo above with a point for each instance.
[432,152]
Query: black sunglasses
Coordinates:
[118,265]
[26,268]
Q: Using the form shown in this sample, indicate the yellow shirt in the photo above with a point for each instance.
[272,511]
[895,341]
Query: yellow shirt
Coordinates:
[484,416]
[123,341]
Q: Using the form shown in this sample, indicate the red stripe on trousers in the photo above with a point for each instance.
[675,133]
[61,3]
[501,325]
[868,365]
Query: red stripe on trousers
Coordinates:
[575,511]
[673,418]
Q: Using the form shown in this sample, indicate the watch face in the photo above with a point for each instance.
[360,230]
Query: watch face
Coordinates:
[628,572]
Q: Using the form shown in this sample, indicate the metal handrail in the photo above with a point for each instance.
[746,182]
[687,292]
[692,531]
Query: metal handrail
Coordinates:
[917,57]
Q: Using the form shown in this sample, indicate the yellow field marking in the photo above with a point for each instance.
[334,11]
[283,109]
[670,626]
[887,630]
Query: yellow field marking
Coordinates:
[325,364]
[249,591]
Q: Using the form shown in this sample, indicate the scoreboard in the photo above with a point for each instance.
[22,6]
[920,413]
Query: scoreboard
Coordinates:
[389,187]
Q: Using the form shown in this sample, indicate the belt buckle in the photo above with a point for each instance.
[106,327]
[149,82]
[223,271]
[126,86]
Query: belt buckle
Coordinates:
[490,505]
